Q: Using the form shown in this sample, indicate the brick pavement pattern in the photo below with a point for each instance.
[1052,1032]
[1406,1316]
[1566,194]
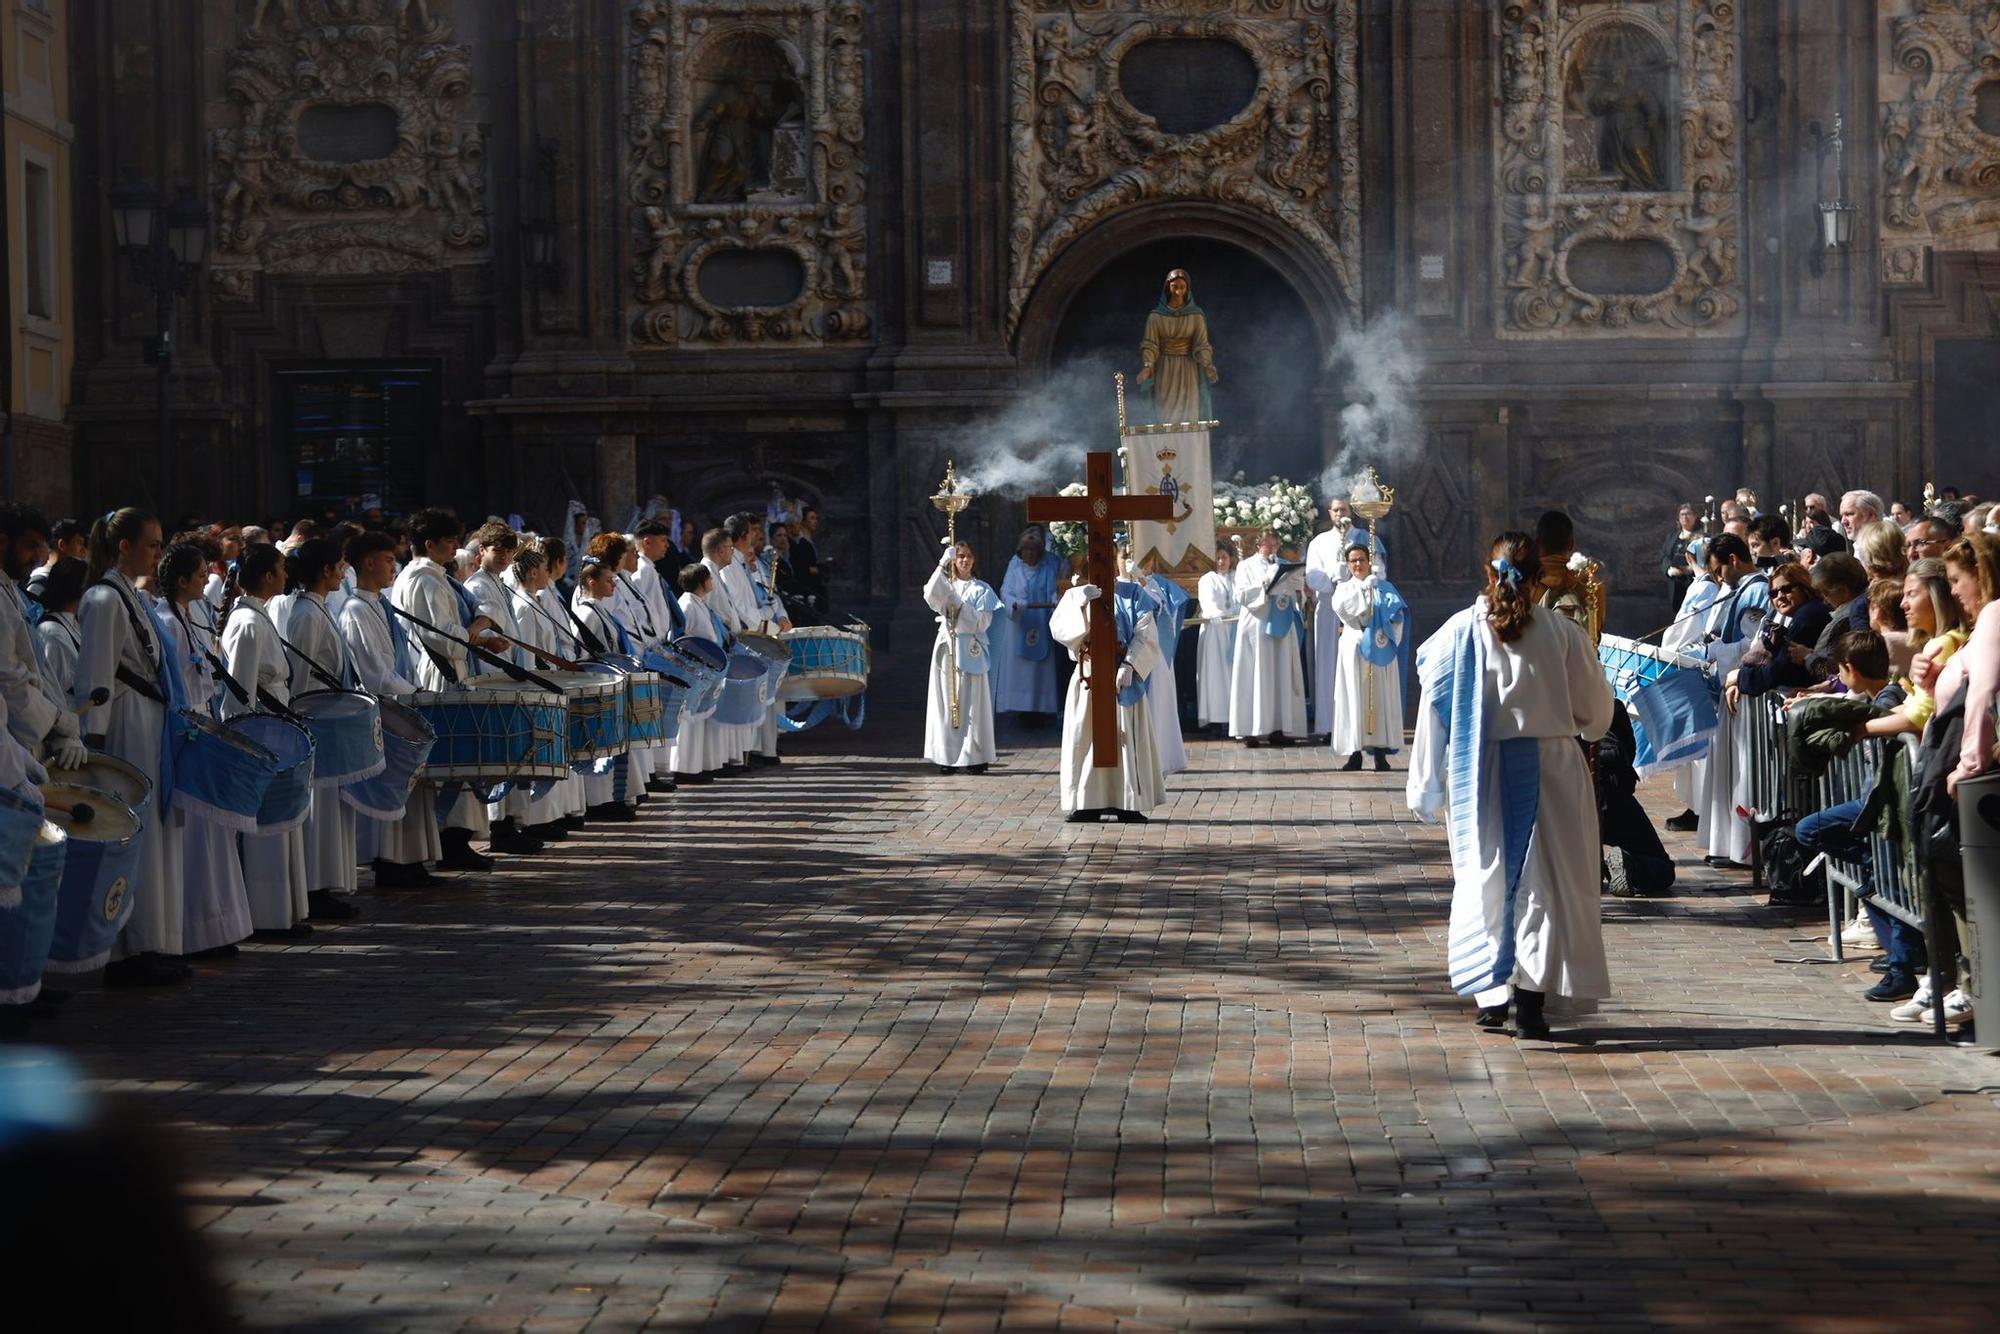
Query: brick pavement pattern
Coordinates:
[851,1045]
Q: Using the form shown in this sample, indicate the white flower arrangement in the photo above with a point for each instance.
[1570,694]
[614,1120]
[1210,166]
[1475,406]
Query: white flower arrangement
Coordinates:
[1068,536]
[1283,506]
[1578,562]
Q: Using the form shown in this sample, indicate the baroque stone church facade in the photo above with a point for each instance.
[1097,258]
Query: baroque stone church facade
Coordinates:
[500,256]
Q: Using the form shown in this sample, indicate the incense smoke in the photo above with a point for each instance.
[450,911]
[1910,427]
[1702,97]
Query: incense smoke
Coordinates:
[1376,368]
[1037,445]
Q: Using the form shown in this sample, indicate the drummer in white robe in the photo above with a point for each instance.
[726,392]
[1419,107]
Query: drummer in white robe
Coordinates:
[568,640]
[378,645]
[961,666]
[496,544]
[653,536]
[317,653]
[1326,570]
[1133,786]
[1268,694]
[59,635]
[762,612]
[700,748]
[38,714]
[1216,661]
[734,614]
[215,912]
[1024,661]
[274,865]
[1508,695]
[1368,692]
[525,580]
[612,794]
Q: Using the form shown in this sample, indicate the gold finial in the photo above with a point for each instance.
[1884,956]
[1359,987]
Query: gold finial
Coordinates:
[1119,377]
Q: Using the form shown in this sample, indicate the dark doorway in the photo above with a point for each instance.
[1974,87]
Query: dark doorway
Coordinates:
[353,437]
[1966,414]
[1267,349]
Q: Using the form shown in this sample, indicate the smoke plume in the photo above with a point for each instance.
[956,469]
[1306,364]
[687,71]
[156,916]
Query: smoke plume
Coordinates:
[1376,368]
[1037,445]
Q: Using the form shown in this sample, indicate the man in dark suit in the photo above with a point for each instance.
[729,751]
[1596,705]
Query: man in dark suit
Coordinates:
[808,567]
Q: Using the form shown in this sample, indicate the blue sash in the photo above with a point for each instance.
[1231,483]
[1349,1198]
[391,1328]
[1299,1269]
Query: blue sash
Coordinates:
[1172,617]
[1128,601]
[1284,616]
[974,651]
[1379,643]
[175,691]
[1031,624]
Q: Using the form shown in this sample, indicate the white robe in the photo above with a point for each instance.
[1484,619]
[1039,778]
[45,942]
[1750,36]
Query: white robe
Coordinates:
[700,746]
[1547,686]
[216,908]
[564,638]
[331,835]
[1216,650]
[131,727]
[1135,783]
[971,741]
[1722,780]
[1367,700]
[424,590]
[1268,692]
[32,704]
[1020,684]
[1326,570]
[371,647]
[275,876]
[62,643]
[1686,630]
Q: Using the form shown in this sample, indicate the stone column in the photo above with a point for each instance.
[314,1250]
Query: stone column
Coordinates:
[617,478]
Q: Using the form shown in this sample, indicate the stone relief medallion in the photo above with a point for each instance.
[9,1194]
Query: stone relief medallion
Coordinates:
[1618,180]
[345,145]
[745,173]
[1940,91]
[1114,103]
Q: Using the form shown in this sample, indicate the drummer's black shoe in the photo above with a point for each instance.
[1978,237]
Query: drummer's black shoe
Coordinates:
[458,853]
[1381,762]
[13,1021]
[1280,739]
[1684,823]
[975,768]
[141,970]
[1528,1020]
[217,954]
[1083,817]
[1353,764]
[284,935]
[1493,1017]
[659,784]
[508,837]
[573,822]
[696,779]
[613,812]
[404,875]
[328,906]
[758,761]
[551,831]
[1131,817]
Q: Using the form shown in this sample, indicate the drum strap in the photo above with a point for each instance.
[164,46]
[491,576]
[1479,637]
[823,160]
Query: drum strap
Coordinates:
[214,659]
[131,680]
[645,616]
[513,669]
[590,639]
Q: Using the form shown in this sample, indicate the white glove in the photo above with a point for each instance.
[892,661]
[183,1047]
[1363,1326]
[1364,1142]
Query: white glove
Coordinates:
[67,752]
[944,561]
[1126,676]
[1091,592]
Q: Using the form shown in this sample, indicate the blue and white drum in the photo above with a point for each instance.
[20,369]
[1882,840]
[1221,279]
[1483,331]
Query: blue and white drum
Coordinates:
[743,703]
[20,827]
[221,773]
[107,773]
[776,657]
[595,705]
[709,662]
[645,721]
[28,918]
[289,798]
[825,663]
[96,900]
[346,729]
[407,739]
[497,733]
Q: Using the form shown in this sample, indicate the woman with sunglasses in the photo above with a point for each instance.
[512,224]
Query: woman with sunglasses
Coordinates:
[1800,616]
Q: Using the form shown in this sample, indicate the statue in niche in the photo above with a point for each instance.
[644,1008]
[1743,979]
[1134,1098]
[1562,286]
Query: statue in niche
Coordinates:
[1617,113]
[1177,362]
[738,131]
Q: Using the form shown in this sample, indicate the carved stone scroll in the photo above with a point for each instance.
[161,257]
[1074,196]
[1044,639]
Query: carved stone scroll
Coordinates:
[346,145]
[745,132]
[1940,91]
[1619,169]
[1081,151]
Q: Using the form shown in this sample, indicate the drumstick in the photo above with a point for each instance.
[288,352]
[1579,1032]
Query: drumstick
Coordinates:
[81,811]
[545,656]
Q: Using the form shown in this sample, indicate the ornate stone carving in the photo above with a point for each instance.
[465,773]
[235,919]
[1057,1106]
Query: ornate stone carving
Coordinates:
[1081,152]
[1940,156]
[345,145]
[1616,124]
[745,126]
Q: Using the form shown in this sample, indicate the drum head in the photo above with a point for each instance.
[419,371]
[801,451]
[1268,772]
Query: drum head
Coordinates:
[288,741]
[89,815]
[332,704]
[747,667]
[402,721]
[764,646]
[228,736]
[108,773]
[704,651]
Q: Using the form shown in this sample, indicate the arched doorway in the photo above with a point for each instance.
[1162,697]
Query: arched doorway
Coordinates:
[1271,313]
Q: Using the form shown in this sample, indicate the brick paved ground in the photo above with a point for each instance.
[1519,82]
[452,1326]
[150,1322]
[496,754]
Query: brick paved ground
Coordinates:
[859,1046]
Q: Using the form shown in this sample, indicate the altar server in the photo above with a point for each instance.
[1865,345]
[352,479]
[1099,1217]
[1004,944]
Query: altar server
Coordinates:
[378,645]
[1215,667]
[1268,697]
[1024,666]
[275,874]
[700,748]
[1368,694]
[1326,570]
[1134,786]
[1507,693]
[961,666]
[1163,695]
[1742,603]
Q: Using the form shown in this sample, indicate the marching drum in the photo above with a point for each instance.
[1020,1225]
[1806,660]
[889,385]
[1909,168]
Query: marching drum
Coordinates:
[28,918]
[107,773]
[219,771]
[710,664]
[595,706]
[825,663]
[406,743]
[495,733]
[101,853]
[743,701]
[645,713]
[776,657]
[346,729]
[289,798]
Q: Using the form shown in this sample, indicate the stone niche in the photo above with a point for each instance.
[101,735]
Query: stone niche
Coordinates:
[1940,124]
[1618,169]
[346,144]
[1247,103]
[745,173]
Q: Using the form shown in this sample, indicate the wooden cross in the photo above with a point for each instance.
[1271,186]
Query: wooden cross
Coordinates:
[1100,510]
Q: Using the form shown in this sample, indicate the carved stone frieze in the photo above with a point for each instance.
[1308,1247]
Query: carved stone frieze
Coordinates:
[1081,151]
[745,133]
[346,144]
[1618,169]
[1940,91]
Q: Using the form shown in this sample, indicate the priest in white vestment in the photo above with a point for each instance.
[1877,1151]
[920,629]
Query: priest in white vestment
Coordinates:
[1215,662]
[1134,785]
[961,666]
[1509,692]
[1268,692]
[1368,694]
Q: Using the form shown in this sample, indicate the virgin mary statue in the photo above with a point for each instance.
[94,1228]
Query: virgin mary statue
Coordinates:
[1177,364]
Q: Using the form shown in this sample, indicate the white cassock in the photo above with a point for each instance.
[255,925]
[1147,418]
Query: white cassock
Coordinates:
[644,629]
[765,610]
[496,604]
[331,836]
[1024,659]
[275,875]
[62,644]
[1216,667]
[1326,570]
[216,908]
[1135,783]
[1685,631]
[119,631]
[700,746]
[423,588]
[968,656]
[1722,780]
[1546,688]
[1268,692]
[622,781]
[652,589]
[371,646]
[734,613]
[34,709]
[1367,699]
[567,640]
[535,626]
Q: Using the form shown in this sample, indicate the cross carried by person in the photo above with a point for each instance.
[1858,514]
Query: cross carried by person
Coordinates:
[1100,510]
